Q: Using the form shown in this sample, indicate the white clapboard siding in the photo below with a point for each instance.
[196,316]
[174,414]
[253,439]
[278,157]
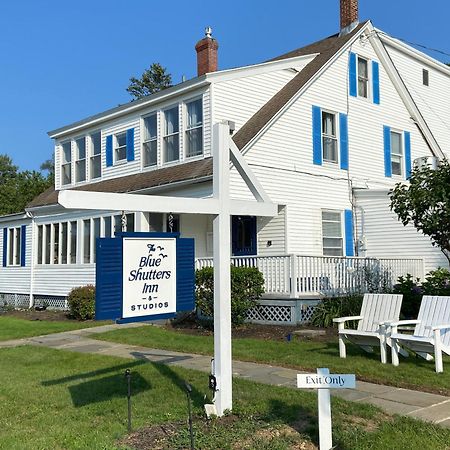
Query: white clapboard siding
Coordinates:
[432,100]
[271,234]
[385,235]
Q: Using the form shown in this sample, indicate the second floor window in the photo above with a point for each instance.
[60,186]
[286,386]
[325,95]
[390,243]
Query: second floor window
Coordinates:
[120,150]
[194,128]
[363,77]
[396,153]
[66,166]
[95,169]
[80,163]
[329,137]
[150,145]
[171,142]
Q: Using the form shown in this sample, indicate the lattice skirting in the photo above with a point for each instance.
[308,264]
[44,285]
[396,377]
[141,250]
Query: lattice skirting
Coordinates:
[22,301]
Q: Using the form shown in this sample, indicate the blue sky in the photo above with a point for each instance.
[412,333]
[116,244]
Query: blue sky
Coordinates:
[62,61]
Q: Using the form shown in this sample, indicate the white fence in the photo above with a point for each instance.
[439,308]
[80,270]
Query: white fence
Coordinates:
[296,275]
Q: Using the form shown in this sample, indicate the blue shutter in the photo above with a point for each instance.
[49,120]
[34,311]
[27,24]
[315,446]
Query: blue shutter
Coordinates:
[352,75]
[108,279]
[109,150]
[130,144]
[317,135]
[23,244]
[376,82]
[349,248]
[185,274]
[387,151]
[408,165]
[343,136]
[5,246]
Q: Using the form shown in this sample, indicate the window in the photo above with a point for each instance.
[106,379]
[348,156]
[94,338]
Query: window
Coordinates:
[396,153]
[66,166]
[363,77]
[39,244]
[15,246]
[87,241]
[120,151]
[425,77]
[80,163]
[96,225]
[150,145]
[64,237]
[332,233]
[329,137]
[73,243]
[171,139]
[95,168]
[48,242]
[55,243]
[107,226]
[194,128]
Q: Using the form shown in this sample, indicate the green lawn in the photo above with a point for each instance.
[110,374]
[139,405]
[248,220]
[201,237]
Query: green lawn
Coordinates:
[15,328]
[53,399]
[413,373]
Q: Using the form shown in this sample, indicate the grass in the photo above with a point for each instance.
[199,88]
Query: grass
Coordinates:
[63,400]
[413,373]
[15,328]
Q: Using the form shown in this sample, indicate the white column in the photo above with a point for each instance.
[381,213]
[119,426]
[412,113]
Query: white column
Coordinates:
[325,434]
[222,280]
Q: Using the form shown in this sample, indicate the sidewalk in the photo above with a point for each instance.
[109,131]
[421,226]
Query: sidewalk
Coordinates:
[420,405]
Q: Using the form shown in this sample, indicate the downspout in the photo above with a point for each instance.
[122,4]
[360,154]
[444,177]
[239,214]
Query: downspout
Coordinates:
[33,226]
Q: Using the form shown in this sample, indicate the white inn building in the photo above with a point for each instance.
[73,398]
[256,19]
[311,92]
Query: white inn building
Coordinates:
[327,129]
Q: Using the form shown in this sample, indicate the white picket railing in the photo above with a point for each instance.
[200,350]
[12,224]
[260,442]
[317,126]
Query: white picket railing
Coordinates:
[296,275]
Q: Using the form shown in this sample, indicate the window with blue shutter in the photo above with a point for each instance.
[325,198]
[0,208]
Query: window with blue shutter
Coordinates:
[343,136]
[408,166]
[387,151]
[348,222]
[352,75]
[109,150]
[23,244]
[5,247]
[130,144]
[376,82]
[317,135]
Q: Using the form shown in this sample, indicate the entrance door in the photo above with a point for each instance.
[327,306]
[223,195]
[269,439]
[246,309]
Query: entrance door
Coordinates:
[243,235]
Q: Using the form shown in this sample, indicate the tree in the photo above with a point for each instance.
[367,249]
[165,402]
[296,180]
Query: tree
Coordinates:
[425,203]
[153,80]
[18,188]
[49,166]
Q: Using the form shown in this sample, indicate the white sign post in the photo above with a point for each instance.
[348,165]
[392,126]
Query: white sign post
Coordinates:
[324,381]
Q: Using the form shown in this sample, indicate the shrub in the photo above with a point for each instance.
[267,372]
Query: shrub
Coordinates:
[81,302]
[247,286]
[437,282]
[412,295]
[331,308]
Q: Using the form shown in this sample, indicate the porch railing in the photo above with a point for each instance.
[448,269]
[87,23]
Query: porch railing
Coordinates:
[296,275]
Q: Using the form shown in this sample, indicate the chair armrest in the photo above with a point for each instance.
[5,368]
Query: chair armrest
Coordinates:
[346,319]
[402,322]
[437,327]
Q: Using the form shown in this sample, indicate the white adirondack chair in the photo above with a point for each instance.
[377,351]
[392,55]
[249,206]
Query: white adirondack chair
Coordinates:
[431,333]
[376,310]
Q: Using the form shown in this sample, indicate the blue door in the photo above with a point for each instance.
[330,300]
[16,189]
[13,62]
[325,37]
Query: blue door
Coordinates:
[243,235]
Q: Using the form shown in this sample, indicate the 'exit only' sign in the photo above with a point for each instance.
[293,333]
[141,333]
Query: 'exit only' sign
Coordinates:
[322,381]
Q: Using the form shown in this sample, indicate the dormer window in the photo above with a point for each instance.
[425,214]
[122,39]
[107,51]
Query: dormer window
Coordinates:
[363,77]
[194,128]
[120,149]
[171,140]
[80,163]
[95,169]
[150,144]
[66,166]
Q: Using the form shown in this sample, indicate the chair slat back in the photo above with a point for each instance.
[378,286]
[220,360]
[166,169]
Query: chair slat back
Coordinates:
[434,310]
[378,308]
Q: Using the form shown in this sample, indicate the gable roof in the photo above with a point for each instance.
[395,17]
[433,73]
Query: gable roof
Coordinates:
[326,49]
[191,171]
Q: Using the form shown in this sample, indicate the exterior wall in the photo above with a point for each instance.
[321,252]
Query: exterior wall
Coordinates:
[432,100]
[272,234]
[16,279]
[135,121]
[385,236]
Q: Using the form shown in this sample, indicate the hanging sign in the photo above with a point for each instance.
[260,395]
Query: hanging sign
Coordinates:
[144,276]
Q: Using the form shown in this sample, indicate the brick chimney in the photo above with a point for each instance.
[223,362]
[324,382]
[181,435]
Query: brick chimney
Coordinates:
[349,15]
[206,53]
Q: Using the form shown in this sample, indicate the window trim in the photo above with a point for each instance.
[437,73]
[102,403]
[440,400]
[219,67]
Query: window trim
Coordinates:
[341,237]
[78,159]
[14,247]
[164,135]
[157,139]
[336,137]
[93,156]
[116,147]
[369,77]
[402,155]
[187,129]
[65,163]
